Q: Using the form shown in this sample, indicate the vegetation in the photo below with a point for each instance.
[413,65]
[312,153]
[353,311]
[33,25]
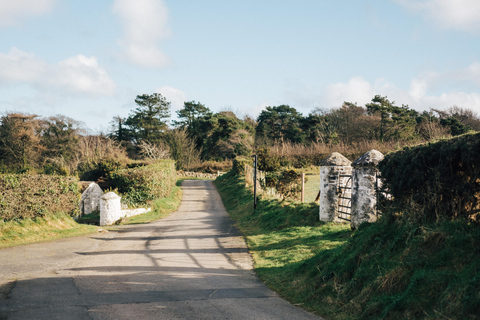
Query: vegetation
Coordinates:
[60,145]
[30,196]
[141,185]
[396,268]
[435,181]
[38,229]
[61,225]
[148,121]
[421,260]
[161,208]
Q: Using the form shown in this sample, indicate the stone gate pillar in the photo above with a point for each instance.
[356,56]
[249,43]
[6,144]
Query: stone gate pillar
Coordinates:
[331,170]
[364,184]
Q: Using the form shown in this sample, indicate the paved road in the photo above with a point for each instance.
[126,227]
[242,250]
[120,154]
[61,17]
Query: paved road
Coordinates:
[192,265]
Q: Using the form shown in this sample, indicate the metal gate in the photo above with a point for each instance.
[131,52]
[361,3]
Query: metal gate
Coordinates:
[344,187]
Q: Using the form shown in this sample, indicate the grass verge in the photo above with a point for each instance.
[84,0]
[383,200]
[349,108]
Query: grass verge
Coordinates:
[160,208]
[390,269]
[50,227]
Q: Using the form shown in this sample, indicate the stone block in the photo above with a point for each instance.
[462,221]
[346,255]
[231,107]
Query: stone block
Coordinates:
[90,200]
[110,208]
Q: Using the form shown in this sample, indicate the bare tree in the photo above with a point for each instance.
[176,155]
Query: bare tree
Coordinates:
[182,149]
[154,151]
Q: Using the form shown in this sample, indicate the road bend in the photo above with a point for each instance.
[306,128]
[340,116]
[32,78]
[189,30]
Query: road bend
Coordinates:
[193,264]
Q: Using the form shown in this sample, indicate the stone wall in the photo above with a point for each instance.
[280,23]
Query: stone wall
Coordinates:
[188,174]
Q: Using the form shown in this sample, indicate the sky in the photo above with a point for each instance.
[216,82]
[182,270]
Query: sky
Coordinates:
[89,59]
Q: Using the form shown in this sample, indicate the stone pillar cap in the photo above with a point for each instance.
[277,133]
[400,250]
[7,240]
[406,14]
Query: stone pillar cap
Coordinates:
[335,159]
[369,159]
[110,196]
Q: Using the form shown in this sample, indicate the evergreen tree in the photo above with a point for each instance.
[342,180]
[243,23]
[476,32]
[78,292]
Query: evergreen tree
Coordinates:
[149,120]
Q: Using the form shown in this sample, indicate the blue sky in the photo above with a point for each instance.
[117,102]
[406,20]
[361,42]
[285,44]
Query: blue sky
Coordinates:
[89,59]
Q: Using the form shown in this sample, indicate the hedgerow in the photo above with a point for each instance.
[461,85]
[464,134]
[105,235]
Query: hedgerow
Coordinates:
[30,196]
[143,184]
[435,181]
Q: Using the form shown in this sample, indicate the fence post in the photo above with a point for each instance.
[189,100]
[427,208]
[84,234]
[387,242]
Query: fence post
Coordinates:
[303,187]
[255,160]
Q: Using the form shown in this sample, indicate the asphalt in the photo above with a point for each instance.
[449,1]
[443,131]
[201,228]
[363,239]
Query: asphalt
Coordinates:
[193,264]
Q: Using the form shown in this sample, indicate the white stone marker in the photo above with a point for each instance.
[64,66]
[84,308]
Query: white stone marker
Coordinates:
[110,208]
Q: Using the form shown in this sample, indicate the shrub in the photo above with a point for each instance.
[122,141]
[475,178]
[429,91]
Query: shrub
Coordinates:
[239,164]
[268,161]
[436,180]
[140,185]
[31,196]
[287,182]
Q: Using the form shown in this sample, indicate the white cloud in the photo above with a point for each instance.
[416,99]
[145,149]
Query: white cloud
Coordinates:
[82,74]
[19,66]
[13,11]
[175,96]
[145,24]
[78,74]
[422,95]
[356,89]
[456,14]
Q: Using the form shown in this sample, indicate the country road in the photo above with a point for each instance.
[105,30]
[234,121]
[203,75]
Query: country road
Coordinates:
[193,264]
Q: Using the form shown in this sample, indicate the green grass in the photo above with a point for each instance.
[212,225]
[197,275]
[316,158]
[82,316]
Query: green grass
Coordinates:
[160,209]
[390,269]
[312,186]
[50,227]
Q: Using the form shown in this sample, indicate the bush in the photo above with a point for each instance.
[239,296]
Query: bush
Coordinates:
[31,196]
[268,161]
[140,185]
[436,180]
[239,164]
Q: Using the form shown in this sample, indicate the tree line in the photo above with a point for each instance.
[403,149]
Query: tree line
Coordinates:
[61,145]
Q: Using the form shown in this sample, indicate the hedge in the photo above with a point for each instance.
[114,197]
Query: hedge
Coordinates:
[29,196]
[239,164]
[142,184]
[436,180]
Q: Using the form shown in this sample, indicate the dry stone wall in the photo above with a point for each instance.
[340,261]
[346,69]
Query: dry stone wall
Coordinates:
[188,174]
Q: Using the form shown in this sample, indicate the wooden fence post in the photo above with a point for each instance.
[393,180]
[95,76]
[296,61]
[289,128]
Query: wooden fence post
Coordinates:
[303,187]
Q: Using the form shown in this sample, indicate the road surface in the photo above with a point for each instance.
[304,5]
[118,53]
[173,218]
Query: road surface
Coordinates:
[191,265]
